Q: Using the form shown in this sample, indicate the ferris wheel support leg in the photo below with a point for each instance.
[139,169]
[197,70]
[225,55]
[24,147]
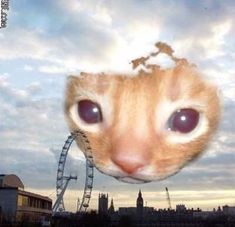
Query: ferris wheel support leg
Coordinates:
[60,197]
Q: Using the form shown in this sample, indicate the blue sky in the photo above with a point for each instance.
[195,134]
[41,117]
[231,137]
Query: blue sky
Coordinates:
[47,40]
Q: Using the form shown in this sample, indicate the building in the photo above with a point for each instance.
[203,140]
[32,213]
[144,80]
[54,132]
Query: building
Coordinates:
[136,212]
[228,210]
[18,205]
[103,204]
[127,211]
[139,204]
[111,208]
[181,208]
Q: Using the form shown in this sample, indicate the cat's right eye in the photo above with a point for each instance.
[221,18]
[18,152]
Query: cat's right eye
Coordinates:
[184,120]
[89,111]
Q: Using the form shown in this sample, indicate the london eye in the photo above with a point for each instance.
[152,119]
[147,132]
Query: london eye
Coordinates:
[62,180]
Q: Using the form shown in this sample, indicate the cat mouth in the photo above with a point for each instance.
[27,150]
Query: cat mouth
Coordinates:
[132,180]
[117,174]
[145,176]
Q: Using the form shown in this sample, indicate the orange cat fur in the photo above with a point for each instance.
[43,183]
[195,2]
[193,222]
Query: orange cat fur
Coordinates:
[131,140]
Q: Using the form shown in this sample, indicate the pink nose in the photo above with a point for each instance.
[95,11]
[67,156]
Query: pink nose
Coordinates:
[130,156]
[128,164]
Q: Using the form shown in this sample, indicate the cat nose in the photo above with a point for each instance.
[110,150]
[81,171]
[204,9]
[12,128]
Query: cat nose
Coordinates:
[130,157]
[128,164]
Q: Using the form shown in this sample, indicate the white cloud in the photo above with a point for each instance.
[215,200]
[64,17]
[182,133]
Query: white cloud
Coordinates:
[34,88]
[29,129]
[52,69]
[214,45]
[122,32]
[3,80]
[31,46]
[28,68]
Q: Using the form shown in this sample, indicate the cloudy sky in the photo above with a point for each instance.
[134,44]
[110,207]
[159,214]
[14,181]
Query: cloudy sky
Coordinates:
[47,40]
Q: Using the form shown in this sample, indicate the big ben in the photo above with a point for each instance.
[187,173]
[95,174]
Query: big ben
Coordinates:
[140,204]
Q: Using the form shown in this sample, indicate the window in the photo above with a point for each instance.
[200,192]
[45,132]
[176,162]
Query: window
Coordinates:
[25,201]
[20,200]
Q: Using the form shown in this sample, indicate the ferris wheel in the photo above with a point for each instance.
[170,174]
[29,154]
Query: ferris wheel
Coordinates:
[62,180]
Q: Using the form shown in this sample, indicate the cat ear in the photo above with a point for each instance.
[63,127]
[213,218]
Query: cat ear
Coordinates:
[72,79]
[78,79]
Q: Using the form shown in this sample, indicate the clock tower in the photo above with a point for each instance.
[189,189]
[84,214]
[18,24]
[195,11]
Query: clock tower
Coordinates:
[140,204]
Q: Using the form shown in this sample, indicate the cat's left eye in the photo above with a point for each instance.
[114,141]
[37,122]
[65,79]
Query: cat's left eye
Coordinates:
[89,111]
[184,120]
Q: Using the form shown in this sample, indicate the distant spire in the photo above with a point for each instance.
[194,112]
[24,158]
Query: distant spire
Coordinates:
[140,203]
[111,208]
[140,198]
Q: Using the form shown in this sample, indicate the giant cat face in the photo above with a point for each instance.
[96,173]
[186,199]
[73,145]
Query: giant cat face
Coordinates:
[145,127]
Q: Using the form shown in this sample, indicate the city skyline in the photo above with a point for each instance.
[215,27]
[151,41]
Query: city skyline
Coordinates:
[139,194]
[146,203]
[46,41]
